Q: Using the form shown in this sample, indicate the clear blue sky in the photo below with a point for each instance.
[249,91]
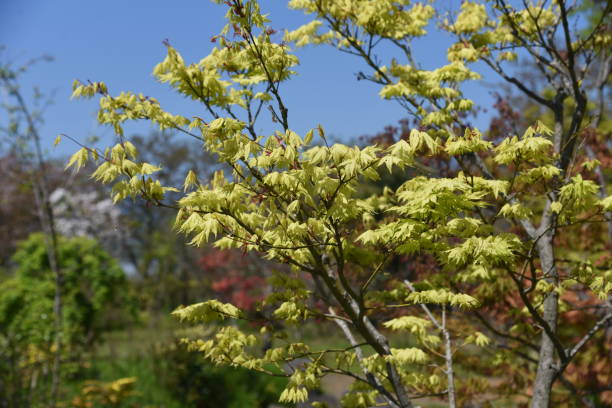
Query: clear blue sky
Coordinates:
[119,43]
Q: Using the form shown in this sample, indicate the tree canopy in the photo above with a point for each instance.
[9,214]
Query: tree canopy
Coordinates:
[497,224]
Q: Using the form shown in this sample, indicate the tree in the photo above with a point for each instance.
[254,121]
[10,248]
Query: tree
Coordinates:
[235,278]
[493,232]
[22,131]
[95,300]
[18,213]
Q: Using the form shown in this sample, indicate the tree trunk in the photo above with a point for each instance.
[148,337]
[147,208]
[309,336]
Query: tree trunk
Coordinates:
[546,361]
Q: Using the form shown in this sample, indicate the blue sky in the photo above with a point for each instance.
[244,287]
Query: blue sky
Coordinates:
[119,43]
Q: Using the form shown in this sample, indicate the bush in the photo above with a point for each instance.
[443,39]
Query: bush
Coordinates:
[95,299]
[197,383]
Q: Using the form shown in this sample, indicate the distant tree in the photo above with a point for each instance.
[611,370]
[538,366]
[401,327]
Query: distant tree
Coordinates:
[96,299]
[497,226]
[18,216]
[20,129]
[236,278]
[86,214]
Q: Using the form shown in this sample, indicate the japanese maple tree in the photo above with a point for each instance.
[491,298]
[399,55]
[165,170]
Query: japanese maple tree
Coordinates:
[496,231]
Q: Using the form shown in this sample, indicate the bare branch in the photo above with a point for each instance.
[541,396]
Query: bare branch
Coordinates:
[448,353]
[604,321]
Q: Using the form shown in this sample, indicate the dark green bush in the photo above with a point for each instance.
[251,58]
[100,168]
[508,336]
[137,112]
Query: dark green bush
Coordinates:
[198,384]
[95,299]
